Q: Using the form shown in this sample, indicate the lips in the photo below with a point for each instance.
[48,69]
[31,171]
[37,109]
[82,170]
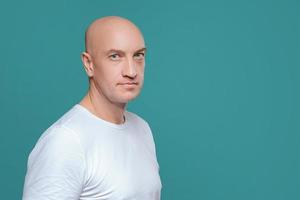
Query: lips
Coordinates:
[129,83]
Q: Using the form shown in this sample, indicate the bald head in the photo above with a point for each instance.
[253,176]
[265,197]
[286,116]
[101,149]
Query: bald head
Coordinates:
[104,30]
[114,60]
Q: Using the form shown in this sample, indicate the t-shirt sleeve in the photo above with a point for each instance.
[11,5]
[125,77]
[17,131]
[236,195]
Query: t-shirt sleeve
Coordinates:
[55,168]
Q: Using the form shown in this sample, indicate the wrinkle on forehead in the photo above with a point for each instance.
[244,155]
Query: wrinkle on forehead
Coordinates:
[101,30]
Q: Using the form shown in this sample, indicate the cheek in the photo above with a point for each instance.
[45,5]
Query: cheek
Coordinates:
[141,75]
[141,68]
[107,72]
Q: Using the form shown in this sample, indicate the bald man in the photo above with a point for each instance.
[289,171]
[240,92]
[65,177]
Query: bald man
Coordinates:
[98,149]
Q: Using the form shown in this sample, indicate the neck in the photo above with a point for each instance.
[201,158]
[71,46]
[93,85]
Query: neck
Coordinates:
[100,106]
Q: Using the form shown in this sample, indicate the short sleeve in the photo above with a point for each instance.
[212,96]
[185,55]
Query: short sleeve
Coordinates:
[55,168]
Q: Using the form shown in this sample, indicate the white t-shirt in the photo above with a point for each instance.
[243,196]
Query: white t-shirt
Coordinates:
[84,157]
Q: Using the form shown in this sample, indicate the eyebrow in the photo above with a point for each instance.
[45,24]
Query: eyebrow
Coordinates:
[122,52]
[142,49]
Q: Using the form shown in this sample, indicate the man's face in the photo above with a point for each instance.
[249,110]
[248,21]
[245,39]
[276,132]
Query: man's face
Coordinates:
[119,63]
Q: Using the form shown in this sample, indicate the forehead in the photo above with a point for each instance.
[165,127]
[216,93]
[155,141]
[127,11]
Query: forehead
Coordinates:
[128,40]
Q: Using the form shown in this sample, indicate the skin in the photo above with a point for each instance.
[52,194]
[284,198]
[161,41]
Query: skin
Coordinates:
[114,61]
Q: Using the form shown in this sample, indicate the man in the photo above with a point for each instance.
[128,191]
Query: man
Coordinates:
[98,150]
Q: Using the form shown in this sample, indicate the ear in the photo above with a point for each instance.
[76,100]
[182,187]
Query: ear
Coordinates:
[87,63]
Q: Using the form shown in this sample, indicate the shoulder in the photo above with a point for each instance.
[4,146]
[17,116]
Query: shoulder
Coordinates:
[139,122]
[58,133]
[57,143]
[136,118]
[62,129]
[56,158]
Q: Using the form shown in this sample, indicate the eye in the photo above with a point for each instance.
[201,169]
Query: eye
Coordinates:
[139,56]
[114,56]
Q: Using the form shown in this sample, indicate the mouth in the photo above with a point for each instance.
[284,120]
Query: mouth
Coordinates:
[129,83]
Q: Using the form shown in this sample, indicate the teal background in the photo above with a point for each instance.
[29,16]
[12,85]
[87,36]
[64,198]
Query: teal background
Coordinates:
[221,90]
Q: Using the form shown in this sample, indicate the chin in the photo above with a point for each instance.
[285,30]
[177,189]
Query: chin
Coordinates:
[129,97]
[125,96]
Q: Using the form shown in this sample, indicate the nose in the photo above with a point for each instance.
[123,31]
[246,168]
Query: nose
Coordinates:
[129,69]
